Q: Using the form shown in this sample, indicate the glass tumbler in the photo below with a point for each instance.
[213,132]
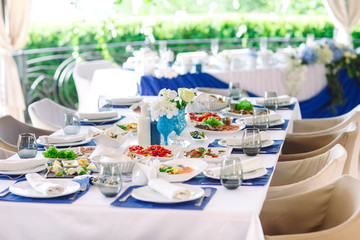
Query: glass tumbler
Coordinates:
[71,124]
[251,141]
[26,145]
[231,173]
[109,180]
[271,100]
[261,119]
[235,91]
[104,104]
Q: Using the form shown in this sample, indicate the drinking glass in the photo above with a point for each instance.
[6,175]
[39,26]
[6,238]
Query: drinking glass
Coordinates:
[109,180]
[271,100]
[231,173]
[261,119]
[104,104]
[214,46]
[251,141]
[235,91]
[26,145]
[263,43]
[71,124]
[162,50]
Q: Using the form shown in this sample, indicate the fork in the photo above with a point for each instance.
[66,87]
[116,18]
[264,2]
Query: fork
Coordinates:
[206,194]
[83,187]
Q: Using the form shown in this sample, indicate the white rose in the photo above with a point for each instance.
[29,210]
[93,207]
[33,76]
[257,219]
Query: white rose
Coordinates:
[172,95]
[186,94]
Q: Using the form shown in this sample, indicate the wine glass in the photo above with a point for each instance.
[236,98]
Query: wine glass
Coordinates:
[104,104]
[251,141]
[26,145]
[271,100]
[235,91]
[165,126]
[231,173]
[71,124]
[261,119]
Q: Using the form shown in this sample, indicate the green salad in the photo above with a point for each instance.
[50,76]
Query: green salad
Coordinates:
[52,152]
[212,121]
[244,105]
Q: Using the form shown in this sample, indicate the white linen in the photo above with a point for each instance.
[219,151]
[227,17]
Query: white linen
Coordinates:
[43,186]
[252,164]
[104,153]
[264,136]
[142,173]
[169,190]
[56,139]
[125,100]
[272,118]
[97,115]
[16,163]
[281,99]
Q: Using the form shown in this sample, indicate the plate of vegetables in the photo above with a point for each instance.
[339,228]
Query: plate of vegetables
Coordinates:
[242,108]
[204,152]
[179,170]
[214,124]
[155,151]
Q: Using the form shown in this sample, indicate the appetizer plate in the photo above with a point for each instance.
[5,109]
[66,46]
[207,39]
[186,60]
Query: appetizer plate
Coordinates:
[240,125]
[214,173]
[238,115]
[24,171]
[70,144]
[174,150]
[24,189]
[265,143]
[147,194]
[272,124]
[196,164]
[221,152]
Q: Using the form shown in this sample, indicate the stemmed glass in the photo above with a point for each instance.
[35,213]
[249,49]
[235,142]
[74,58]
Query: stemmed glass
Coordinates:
[271,100]
[261,119]
[251,141]
[165,126]
[231,173]
[235,91]
[179,126]
[26,145]
[214,46]
[71,124]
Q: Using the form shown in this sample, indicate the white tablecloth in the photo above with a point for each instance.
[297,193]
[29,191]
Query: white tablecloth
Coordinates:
[230,214]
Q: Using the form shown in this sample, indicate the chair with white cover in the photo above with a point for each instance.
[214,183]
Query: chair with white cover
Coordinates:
[6,153]
[300,147]
[299,176]
[47,114]
[317,126]
[10,128]
[83,74]
[330,212]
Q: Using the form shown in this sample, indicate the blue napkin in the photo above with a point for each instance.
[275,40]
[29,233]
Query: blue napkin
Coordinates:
[277,127]
[122,106]
[64,199]
[41,147]
[273,149]
[201,179]
[133,203]
[105,122]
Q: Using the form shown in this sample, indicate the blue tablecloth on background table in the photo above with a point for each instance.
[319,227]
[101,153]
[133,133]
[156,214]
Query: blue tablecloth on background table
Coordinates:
[64,199]
[133,203]
[273,149]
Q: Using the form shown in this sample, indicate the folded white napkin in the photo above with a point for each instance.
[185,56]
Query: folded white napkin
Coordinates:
[264,136]
[43,186]
[16,164]
[273,117]
[98,115]
[169,190]
[56,139]
[143,173]
[281,99]
[125,100]
[247,166]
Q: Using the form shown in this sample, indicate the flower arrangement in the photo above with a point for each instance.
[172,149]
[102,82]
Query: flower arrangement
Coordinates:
[169,102]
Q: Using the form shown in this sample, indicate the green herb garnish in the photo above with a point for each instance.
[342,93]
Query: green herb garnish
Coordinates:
[212,121]
[123,127]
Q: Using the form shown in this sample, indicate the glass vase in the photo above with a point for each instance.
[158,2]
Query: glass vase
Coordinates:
[179,126]
[165,126]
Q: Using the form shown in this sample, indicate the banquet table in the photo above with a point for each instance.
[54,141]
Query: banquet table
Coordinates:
[230,214]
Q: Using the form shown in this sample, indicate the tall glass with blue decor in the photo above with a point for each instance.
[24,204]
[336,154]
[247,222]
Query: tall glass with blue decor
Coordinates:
[165,126]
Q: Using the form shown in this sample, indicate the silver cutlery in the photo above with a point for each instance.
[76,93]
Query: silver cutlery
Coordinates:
[83,187]
[4,193]
[206,194]
[123,199]
[11,177]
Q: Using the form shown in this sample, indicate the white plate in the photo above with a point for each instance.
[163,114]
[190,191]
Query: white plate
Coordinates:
[196,164]
[224,152]
[215,173]
[24,171]
[24,189]
[266,143]
[174,150]
[241,126]
[226,111]
[272,124]
[66,144]
[103,120]
[126,101]
[147,194]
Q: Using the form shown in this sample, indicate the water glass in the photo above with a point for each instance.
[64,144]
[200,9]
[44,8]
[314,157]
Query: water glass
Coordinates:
[71,124]
[251,141]
[104,104]
[271,100]
[214,46]
[263,43]
[235,91]
[231,173]
[109,180]
[261,119]
[26,145]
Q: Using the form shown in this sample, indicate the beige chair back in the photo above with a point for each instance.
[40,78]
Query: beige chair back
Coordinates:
[331,212]
[10,128]
[5,153]
[47,114]
[300,147]
[299,176]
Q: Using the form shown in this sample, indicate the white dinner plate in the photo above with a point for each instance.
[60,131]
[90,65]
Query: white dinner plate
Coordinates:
[126,101]
[241,126]
[196,164]
[147,194]
[272,124]
[238,115]
[24,171]
[226,151]
[86,140]
[24,189]
[265,143]
[102,120]
[214,173]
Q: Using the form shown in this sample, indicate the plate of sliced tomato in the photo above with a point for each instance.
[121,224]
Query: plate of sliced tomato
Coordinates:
[199,116]
[156,151]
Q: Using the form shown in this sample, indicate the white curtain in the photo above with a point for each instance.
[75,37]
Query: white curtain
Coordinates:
[13,34]
[345,14]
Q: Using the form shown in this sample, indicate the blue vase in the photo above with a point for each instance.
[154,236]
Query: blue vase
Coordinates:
[165,126]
